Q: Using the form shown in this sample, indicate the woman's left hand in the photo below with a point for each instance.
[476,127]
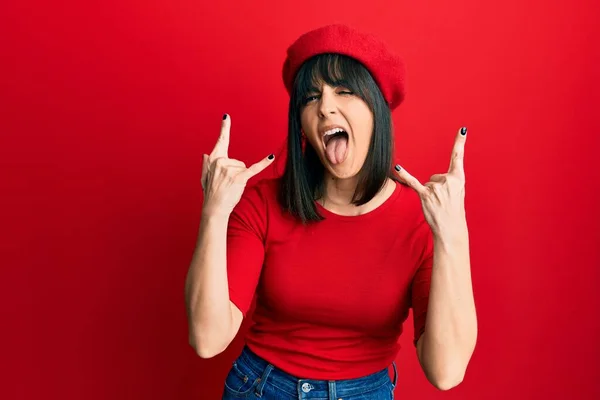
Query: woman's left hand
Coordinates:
[443,197]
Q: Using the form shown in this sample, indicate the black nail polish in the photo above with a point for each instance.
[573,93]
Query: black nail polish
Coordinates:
[463,130]
[224,117]
[271,156]
[397,167]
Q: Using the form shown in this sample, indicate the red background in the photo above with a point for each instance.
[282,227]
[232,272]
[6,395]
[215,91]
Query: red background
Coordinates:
[107,107]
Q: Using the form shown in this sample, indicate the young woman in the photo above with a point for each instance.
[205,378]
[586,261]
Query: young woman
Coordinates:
[339,248]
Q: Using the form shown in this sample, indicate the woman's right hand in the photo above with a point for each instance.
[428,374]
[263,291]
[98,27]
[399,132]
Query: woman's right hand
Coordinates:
[223,178]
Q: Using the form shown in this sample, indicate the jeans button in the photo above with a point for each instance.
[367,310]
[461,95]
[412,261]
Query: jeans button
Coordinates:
[306,387]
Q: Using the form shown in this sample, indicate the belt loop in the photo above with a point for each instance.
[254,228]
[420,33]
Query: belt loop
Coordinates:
[332,391]
[263,380]
[395,375]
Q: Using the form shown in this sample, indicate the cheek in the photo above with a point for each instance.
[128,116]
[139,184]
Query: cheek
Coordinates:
[306,121]
[364,131]
[362,122]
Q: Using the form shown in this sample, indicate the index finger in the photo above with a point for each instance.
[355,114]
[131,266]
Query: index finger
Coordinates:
[458,152]
[222,146]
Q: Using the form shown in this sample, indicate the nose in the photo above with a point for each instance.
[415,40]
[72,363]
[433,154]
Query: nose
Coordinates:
[328,105]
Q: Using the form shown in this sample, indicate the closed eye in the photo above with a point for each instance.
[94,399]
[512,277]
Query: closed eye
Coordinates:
[311,98]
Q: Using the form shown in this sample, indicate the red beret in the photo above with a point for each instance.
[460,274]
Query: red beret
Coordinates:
[386,67]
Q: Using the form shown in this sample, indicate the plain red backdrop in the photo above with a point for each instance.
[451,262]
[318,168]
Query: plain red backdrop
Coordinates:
[107,107]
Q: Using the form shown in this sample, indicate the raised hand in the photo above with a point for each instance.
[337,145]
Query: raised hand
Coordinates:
[223,178]
[443,197]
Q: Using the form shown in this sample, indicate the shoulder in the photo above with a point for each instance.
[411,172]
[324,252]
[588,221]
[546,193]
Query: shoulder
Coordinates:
[266,189]
[254,208]
[407,211]
[267,184]
[407,201]
[258,197]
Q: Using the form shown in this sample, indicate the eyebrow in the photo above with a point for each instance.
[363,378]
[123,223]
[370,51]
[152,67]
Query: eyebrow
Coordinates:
[342,83]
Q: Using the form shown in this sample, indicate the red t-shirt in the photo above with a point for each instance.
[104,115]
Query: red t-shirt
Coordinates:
[331,296]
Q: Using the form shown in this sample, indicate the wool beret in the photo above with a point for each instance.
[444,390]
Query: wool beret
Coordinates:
[386,67]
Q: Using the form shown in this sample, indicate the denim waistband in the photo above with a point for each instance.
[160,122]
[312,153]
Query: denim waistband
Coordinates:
[293,386]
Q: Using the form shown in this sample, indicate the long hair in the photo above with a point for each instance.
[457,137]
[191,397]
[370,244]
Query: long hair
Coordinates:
[303,178]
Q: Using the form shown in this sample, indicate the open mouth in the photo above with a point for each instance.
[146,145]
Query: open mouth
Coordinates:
[335,133]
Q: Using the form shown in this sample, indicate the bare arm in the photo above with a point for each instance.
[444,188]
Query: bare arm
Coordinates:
[213,319]
[446,346]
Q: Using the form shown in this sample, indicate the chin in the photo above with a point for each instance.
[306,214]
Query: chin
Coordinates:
[344,170]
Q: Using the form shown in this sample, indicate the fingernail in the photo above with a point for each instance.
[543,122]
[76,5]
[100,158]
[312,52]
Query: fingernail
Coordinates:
[224,117]
[271,156]
[463,130]
[397,167]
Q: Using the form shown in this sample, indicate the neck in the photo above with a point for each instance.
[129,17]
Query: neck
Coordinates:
[338,194]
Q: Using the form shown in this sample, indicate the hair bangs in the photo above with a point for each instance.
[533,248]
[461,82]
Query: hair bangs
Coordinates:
[335,70]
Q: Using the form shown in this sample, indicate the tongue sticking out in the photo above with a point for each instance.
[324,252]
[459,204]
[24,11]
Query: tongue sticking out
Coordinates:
[336,149]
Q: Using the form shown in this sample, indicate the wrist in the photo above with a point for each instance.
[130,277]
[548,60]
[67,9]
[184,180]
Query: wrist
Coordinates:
[212,224]
[454,237]
[214,213]
[210,216]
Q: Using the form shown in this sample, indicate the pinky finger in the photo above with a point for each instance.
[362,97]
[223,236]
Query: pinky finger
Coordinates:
[410,180]
[257,168]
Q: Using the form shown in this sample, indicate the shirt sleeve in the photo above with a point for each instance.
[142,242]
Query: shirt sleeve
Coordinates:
[246,234]
[421,282]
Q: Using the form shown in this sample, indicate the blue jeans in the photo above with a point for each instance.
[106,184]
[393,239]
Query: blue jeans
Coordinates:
[251,377]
